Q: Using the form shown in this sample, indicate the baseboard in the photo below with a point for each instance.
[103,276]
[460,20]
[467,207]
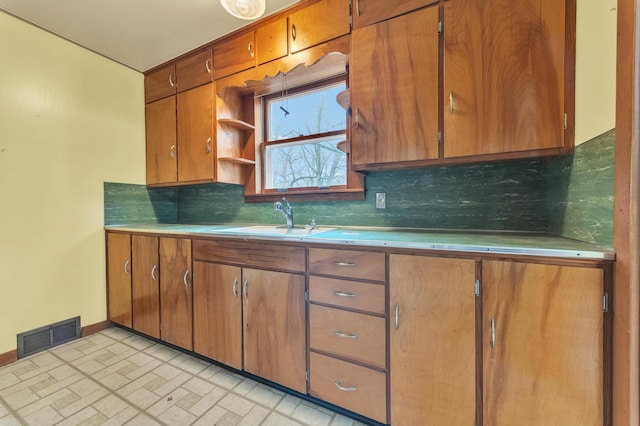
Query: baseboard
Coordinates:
[8,357]
[90,329]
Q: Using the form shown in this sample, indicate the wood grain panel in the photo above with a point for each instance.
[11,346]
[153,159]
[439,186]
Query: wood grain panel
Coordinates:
[271,41]
[176,303]
[365,389]
[319,22]
[217,312]
[161,136]
[348,263]
[274,327]
[348,294]
[394,90]
[504,73]
[146,285]
[546,365]
[234,54]
[196,134]
[195,70]
[271,256]
[351,335]
[158,84]
[367,12]
[119,278]
[432,350]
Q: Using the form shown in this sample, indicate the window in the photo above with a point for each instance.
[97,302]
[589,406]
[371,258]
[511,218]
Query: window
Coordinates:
[303,128]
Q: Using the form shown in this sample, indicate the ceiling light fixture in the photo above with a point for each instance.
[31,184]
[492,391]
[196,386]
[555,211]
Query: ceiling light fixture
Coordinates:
[244,9]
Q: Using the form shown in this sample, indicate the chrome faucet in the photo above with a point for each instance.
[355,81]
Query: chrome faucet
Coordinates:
[287,211]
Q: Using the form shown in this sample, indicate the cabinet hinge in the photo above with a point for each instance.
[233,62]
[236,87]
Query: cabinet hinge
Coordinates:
[440,27]
[306,295]
[351,14]
[306,375]
[439,137]
[476,288]
[605,302]
[566,121]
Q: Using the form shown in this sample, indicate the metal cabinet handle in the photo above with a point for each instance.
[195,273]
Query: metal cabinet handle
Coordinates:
[171,82]
[184,278]
[207,66]
[153,272]
[293,32]
[343,294]
[357,118]
[451,102]
[250,50]
[345,335]
[208,145]
[493,333]
[342,263]
[345,388]
[234,287]
[126,266]
[358,7]
[172,151]
[245,284]
[397,315]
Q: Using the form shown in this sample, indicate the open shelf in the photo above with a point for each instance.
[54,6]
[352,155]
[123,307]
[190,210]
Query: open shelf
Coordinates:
[237,160]
[238,124]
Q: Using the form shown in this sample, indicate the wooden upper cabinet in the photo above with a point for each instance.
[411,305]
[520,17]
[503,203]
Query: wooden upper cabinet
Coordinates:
[367,12]
[504,76]
[160,83]
[271,41]
[394,91]
[194,70]
[161,137]
[317,23]
[119,278]
[196,134]
[146,285]
[542,342]
[235,54]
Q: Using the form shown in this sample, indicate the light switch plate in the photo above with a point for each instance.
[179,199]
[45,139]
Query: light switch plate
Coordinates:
[381,200]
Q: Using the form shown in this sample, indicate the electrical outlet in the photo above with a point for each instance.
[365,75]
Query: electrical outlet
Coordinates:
[381,200]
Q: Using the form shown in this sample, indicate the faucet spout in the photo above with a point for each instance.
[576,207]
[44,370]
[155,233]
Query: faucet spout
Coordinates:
[287,211]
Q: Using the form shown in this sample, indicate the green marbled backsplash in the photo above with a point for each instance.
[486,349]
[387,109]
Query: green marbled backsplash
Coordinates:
[570,196]
[580,192]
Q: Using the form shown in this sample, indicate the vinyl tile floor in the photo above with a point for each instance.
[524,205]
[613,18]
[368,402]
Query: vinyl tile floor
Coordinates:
[115,377]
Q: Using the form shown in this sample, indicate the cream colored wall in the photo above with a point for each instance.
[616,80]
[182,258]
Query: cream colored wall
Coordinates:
[69,120]
[595,68]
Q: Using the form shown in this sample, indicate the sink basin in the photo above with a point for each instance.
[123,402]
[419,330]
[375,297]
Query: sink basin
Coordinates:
[277,230]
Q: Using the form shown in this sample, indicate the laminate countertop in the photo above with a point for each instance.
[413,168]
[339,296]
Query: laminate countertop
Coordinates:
[507,243]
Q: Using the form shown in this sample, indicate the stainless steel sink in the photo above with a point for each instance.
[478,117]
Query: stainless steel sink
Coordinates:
[273,230]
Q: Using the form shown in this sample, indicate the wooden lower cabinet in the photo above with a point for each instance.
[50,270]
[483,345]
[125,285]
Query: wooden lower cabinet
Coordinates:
[146,285]
[176,309]
[432,341]
[542,346]
[119,278]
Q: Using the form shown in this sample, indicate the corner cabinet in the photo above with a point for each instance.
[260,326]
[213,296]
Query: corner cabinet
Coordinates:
[394,91]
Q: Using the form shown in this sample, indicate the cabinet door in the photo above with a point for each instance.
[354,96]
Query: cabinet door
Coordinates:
[367,12]
[274,327]
[432,341]
[394,90]
[160,83]
[235,54]
[196,139]
[217,312]
[194,70]
[542,344]
[503,76]
[160,124]
[146,285]
[271,41]
[175,292]
[119,284]
[317,23]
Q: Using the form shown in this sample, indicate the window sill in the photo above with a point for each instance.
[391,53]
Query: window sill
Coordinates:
[344,194]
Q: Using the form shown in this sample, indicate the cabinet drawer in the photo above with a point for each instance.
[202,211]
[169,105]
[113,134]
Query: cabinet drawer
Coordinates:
[160,83]
[348,334]
[194,70]
[353,387]
[234,55]
[347,263]
[347,294]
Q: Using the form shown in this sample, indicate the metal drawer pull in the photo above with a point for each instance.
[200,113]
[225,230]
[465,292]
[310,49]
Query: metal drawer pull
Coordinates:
[451,102]
[345,335]
[207,65]
[126,265]
[244,289]
[235,287]
[493,333]
[171,83]
[184,278]
[349,264]
[343,294]
[293,32]
[172,151]
[345,388]
[250,49]
[397,315]
[358,7]
[208,145]
[153,272]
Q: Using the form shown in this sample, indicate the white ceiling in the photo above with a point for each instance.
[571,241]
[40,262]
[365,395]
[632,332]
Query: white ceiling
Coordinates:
[138,33]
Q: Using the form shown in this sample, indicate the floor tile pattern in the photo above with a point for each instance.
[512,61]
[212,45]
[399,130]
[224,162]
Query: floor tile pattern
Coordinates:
[119,378]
